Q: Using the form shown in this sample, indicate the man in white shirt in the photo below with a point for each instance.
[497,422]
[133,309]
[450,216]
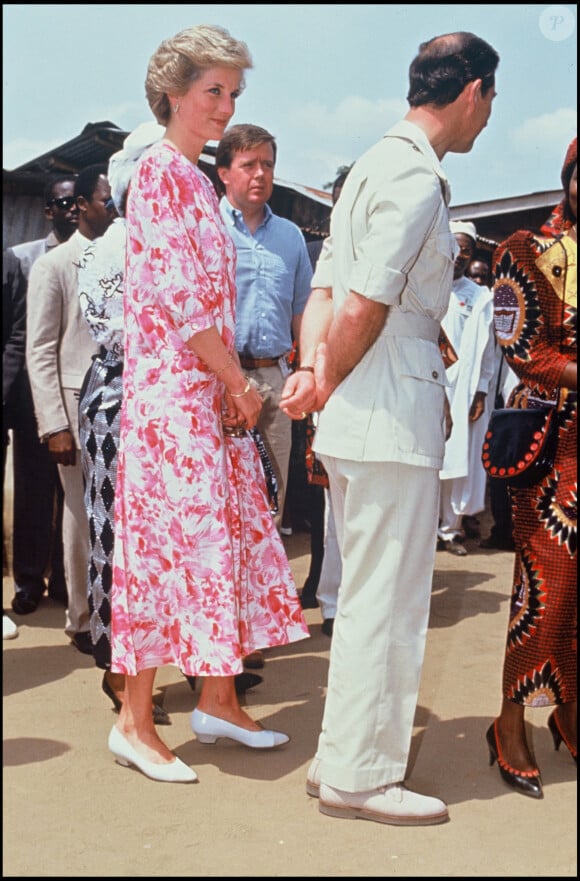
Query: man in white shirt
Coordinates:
[370,331]
[469,327]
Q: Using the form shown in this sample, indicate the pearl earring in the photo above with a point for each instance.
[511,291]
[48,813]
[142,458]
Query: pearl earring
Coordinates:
[176,107]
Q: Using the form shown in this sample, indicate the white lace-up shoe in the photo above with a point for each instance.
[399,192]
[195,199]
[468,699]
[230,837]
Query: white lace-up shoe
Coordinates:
[393,804]
[313,778]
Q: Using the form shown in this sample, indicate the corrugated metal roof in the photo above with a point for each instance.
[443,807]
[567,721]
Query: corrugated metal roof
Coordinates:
[530,202]
[97,142]
[309,208]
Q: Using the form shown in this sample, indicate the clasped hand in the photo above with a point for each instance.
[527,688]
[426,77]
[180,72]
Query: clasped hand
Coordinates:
[306,392]
[61,448]
[241,412]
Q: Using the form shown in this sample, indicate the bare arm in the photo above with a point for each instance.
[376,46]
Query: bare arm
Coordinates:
[332,345]
[353,331]
[477,406]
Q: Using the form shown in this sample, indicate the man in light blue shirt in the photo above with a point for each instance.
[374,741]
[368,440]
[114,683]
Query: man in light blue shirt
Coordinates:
[273,277]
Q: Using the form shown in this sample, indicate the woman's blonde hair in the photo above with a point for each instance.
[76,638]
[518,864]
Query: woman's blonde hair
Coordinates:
[179,61]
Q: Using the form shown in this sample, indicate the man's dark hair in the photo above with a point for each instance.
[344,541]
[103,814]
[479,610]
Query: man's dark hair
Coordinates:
[60,179]
[446,64]
[339,180]
[241,137]
[87,180]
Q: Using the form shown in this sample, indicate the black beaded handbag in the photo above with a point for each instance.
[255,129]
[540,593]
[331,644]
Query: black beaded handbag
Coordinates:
[520,445]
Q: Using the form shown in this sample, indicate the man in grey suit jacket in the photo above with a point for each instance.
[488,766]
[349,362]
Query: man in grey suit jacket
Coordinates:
[37,494]
[58,352]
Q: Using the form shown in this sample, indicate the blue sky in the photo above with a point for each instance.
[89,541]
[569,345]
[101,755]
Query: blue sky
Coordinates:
[328,80]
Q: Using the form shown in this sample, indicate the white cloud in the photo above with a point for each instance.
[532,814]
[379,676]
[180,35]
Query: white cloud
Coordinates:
[549,132]
[128,115]
[314,140]
[354,118]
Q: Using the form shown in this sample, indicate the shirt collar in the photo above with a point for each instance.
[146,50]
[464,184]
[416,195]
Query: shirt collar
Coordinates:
[235,214]
[412,132]
[51,240]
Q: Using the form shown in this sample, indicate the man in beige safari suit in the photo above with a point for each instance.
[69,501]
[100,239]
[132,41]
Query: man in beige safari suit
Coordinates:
[370,331]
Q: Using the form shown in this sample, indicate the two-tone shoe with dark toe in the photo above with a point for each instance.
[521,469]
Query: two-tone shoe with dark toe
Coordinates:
[209,728]
[526,782]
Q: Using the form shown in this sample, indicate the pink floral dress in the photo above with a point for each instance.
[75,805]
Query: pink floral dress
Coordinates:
[200,574]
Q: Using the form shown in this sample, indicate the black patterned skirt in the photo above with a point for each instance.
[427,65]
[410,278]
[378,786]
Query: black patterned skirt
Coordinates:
[99,425]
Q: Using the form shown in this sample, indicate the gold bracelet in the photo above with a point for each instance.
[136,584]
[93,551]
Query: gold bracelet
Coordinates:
[228,363]
[245,391]
[305,369]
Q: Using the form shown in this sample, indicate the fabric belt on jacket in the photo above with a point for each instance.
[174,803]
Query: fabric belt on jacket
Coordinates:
[254,363]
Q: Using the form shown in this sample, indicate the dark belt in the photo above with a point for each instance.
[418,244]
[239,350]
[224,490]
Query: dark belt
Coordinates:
[254,363]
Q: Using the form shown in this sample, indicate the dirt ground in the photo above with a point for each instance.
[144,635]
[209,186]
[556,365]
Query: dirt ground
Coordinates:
[71,811]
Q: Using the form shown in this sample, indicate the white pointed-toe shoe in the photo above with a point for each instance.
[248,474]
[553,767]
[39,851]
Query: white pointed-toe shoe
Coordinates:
[208,728]
[170,772]
[393,804]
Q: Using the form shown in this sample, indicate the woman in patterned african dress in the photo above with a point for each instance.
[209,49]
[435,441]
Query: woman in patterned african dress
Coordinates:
[535,323]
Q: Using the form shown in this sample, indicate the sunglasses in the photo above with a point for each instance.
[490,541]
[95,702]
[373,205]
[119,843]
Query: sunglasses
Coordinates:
[63,203]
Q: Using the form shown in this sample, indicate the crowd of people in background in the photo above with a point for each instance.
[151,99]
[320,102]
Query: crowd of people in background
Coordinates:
[171,337]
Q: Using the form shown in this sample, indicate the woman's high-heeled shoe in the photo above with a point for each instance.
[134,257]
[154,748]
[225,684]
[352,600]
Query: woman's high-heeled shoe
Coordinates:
[559,736]
[208,728]
[168,772]
[526,782]
[160,717]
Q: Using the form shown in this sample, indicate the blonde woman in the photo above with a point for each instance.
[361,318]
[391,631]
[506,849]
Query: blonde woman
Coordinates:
[200,575]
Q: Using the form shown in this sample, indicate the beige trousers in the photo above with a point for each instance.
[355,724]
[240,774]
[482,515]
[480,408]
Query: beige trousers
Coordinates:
[386,521]
[75,539]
